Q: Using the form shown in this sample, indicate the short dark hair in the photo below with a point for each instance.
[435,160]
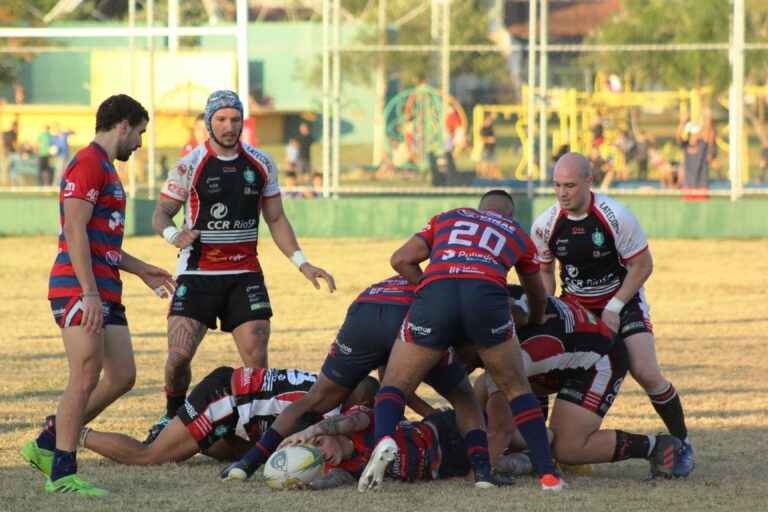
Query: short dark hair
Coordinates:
[118,108]
[500,193]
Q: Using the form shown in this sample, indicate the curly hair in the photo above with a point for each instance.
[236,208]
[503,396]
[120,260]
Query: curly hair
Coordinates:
[117,108]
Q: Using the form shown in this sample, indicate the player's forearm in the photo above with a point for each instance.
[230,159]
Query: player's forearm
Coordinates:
[641,268]
[163,216]
[343,424]
[131,264]
[284,236]
[548,276]
[533,285]
[79,249]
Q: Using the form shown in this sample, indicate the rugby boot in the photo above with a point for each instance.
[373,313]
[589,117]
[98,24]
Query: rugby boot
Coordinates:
[662,456]
[382,455]
[37,457]
[75,485]
[553,483]
[155,430]
[491,479]
[239,471]
[684,461]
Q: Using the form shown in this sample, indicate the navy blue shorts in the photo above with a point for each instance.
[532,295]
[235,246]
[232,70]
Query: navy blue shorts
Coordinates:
[365,340]
[68,312]
[233,298]
[451,311]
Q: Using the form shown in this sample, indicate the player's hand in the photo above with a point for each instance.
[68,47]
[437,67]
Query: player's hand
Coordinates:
[303,437]
[159,281]
[93,314]
[611,319]
[314,273]
[186,238]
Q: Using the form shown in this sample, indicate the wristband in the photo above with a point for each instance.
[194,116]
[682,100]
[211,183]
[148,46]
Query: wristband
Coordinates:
[298,259]
[90,294]
[170,234]
[614,305]
[84,436]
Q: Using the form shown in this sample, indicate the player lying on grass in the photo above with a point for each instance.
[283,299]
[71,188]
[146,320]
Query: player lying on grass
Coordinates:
[434,446]
[362,345]
[222,417]
[575,355]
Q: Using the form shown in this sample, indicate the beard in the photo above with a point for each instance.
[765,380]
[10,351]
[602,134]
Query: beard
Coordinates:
[124,153]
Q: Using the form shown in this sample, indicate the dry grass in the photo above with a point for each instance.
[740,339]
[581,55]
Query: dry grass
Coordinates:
[711,320]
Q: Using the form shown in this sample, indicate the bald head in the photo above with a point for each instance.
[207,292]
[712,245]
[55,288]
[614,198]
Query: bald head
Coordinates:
[575,164]
[499,201]
[572,180]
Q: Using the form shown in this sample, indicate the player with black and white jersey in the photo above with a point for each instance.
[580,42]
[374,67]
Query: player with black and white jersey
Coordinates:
[224,186]
[222,417]
[604,263]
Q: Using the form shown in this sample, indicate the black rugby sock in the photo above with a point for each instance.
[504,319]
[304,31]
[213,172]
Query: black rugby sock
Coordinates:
[174,400]
[670,409]
[630,446]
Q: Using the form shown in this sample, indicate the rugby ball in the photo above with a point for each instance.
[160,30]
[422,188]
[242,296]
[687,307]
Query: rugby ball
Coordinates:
[291,465]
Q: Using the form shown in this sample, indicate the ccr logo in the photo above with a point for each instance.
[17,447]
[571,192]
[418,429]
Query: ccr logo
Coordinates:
[219,211]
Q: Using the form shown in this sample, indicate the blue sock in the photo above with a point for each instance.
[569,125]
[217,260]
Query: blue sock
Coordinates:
[388,411]
[530,422]
[64,464]
[47,438]
[261,451]
[477,450]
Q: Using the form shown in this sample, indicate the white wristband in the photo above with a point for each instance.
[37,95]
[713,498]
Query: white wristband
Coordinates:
[298,259]
[614,305]
[170,234]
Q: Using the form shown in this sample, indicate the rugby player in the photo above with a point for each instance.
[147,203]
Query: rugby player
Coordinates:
[462,294]
[362,345]
[224,186]
[85,292]
[222,416]
[575,355]
[604,262]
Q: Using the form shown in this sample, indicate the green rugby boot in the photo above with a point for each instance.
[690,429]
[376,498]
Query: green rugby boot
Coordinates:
[75,485]
[37,457]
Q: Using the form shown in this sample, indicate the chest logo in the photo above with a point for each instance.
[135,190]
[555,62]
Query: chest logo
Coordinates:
[598,238]
[181,291]
[219,211]
[249,176]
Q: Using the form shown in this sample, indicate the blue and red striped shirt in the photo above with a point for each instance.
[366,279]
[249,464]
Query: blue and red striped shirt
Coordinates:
[393,290]
[466,243]
[418,455]
[92,177]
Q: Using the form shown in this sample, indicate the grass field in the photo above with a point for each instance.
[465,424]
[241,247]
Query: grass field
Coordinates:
[710,317]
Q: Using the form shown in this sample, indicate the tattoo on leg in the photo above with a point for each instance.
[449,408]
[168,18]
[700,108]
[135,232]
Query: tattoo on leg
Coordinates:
[261,331]
[184,335]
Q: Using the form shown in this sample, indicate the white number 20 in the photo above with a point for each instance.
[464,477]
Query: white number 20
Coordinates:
[490,240]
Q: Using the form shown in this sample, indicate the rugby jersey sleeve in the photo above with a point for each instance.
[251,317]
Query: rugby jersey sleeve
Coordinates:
[176,187]
[630,238]
[539,236]
[529,262]
[427,233]
[271,188]
[85,180]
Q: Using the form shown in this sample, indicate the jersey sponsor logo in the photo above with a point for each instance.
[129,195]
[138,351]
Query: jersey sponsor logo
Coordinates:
[249,175]
[610,216]
[92,195]
[113,258]
[598,238]
[502,328]
[345,349]
[190,410]
[244,224]
[214,184]
[464,270]
[181,169]
[255,306]
[578,230]
[221,431]
[179,191]
[632,325]
[229,168]
[115,221]
[69,189]
[119,193]
[450,253]
[252,288]
[181,290]
[219,210]
[262,160]
[572,270]
[539,233]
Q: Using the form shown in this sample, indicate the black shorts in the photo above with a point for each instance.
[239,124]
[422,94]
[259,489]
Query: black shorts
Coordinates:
[594,388]
[634,318]
[365,341]
[209,412]
[454,451]
[451,311]
[68,312]
[233,298]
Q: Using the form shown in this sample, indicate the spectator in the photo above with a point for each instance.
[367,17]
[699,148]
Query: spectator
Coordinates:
[292,155]
[692,138]
[59,141]
[601,169]
[11,138]
[598,135]
[488,167]
[199,135]
[44,153]
[642,154]
[304,163]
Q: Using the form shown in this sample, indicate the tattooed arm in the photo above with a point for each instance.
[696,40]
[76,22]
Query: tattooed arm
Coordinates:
[337,425]
[162,220]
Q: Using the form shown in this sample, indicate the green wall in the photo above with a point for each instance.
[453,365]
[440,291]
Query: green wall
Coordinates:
[400,217]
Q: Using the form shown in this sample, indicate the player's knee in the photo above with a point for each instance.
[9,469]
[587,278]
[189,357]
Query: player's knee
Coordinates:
[125,381]
[649,377]
[177,362]
[567,452]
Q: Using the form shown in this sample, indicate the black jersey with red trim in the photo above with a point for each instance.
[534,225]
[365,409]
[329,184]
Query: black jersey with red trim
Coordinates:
[222,199]
[261,394]
[474,244]
[572,338]
[418,455]
[593,250]
[393,290]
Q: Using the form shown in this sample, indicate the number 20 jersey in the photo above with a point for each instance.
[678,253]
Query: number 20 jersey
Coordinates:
[222,199]
[466,243]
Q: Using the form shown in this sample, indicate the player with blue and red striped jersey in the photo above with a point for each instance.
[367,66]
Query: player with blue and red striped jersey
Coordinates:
[461,295]
[362,345]
[86,292]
